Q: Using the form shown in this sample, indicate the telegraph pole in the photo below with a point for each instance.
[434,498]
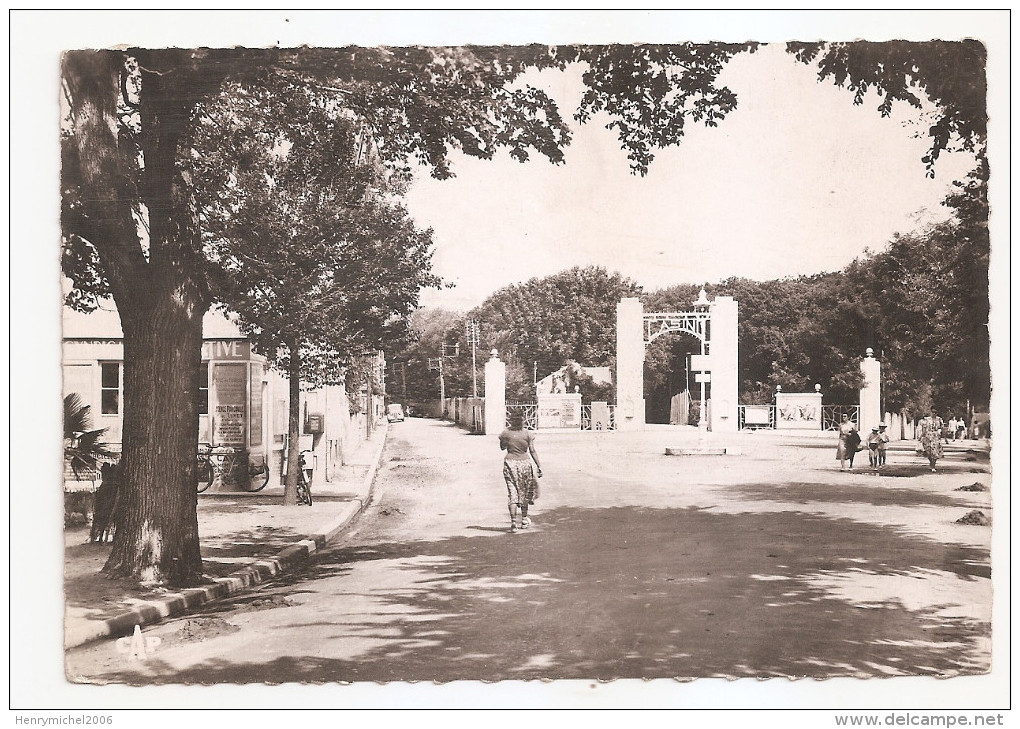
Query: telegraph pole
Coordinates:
[472,336]
[442,383]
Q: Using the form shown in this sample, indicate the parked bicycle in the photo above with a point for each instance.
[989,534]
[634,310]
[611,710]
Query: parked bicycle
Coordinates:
[304,483]
[221,461]
[205,469]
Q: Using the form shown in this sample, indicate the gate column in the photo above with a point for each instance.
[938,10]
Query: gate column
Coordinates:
[630,363]
[723,353]
[495,395]
[871,392]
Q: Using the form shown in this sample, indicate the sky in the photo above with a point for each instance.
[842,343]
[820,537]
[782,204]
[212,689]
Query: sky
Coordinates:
[796,180]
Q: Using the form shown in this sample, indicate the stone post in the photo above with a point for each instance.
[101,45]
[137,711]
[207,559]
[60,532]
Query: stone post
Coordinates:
[630,363]
[723,353]
[871,400]
[495,395]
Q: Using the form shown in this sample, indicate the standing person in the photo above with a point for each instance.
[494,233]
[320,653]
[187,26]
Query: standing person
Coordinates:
[930,437]
[873,440]
[961,429]
[883,444]
[848,442]
[520,477]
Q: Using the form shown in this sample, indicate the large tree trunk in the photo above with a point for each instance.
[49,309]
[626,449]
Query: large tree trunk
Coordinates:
[157,535]
[293,427]
[158,282]
[161,316]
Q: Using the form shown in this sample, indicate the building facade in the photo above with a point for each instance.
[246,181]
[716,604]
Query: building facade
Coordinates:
[243,403]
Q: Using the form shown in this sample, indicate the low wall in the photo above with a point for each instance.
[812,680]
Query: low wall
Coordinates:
[467,412]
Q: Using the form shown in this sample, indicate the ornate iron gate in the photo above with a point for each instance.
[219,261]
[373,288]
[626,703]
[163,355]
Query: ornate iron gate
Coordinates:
[832,414]
[529,411]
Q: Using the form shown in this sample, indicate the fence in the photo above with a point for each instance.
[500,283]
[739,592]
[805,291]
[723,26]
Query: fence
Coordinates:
[833,414]
[764,416]
[756,416]
[529,412]
[598,424]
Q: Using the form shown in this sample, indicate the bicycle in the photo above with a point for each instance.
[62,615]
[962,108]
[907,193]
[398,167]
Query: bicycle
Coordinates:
[304,482]
[220,461]
[204,468]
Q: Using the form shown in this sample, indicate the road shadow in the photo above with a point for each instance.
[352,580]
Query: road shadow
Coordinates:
[259,542]
[879,493]
[632,592]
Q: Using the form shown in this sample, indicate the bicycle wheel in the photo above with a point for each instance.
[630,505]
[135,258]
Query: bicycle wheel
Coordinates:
[205,474]
[258,478]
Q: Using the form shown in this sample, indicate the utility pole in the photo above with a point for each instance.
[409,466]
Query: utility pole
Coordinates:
[472,337]
[436,363]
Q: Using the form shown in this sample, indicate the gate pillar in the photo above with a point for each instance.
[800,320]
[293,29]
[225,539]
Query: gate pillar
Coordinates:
[630,364]
[871,399]
[495,395]
[723,354]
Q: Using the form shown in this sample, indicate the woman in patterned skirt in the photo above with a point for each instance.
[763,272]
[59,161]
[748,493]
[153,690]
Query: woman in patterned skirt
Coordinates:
[930,437]
[520,477]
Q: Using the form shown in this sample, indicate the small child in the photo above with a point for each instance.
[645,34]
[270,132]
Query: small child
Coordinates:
[873,441]
[883,444]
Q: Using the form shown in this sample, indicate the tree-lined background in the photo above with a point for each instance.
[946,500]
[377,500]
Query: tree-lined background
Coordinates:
[921,304]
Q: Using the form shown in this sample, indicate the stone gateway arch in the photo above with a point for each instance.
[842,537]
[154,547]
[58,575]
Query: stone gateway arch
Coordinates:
[713,323]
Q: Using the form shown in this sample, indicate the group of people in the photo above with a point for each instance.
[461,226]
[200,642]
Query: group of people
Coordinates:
[850,443]
[521,467]
[931,431]
[957,428]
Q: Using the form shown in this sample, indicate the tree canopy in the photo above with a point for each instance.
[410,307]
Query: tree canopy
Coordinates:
[950,75]
[310,243]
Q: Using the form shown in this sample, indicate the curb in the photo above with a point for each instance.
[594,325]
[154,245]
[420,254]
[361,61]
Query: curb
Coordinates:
[258,572]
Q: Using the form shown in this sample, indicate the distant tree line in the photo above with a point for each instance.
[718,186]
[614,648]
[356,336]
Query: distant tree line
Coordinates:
[921,304]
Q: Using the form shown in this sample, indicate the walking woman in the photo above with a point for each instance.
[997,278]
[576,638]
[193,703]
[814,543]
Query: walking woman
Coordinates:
[930,437]
[520,477]
[848,442]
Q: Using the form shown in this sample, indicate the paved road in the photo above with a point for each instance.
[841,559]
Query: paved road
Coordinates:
[763,562]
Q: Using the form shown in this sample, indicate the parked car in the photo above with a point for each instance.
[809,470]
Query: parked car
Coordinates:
[395,413]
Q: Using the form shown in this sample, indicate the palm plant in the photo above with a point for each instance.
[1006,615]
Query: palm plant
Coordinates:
[84,448]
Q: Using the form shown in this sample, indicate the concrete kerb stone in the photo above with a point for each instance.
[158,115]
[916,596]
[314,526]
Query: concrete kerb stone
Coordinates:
[258,572]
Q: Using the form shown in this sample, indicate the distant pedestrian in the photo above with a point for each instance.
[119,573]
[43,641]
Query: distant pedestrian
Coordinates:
[849,439]
[520,476]
[930,437]
[883,444]
[873,440]
[961,429]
